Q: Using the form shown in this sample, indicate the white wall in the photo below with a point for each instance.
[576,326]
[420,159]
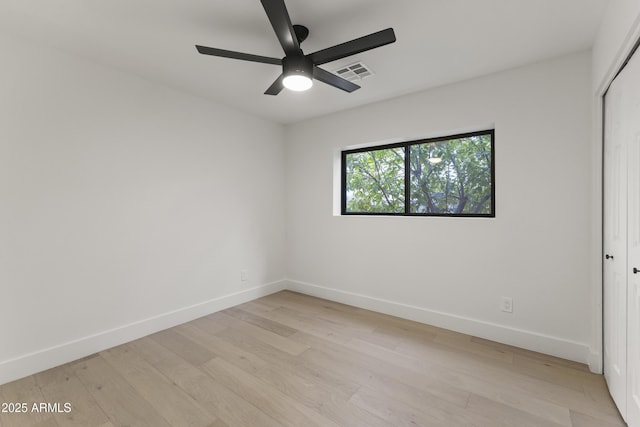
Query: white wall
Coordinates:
[125,207]
[453,271]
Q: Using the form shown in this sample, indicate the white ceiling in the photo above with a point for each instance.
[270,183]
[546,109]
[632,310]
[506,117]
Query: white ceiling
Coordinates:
[438,42]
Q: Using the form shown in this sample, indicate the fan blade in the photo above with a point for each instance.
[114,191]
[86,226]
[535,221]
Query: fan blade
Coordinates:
[279,17]
[333,80]
[276,87]
[238,55]
[352,47]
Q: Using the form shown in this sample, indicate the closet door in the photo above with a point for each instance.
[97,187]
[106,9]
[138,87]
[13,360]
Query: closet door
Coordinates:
[615,248]
[631,123]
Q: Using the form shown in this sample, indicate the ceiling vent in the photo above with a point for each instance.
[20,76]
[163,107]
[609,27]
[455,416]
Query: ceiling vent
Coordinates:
[357,71]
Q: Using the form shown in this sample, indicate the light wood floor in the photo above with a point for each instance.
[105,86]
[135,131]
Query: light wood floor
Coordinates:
[297,361]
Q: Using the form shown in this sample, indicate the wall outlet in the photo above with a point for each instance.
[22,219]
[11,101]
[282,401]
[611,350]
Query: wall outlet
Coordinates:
[244,275]
[506,304]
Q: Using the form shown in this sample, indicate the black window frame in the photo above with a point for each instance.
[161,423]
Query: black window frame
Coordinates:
[407,176]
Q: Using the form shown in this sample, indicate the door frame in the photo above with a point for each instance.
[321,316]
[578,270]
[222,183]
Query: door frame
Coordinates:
[631,44]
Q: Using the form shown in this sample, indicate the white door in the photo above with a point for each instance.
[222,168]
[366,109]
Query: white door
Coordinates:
[615,247]
[630,82]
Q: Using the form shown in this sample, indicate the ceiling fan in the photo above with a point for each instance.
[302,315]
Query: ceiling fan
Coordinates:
[298,69]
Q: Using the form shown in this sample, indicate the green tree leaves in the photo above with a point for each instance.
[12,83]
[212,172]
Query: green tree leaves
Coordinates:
[460,183]
[446,177]
[375,181]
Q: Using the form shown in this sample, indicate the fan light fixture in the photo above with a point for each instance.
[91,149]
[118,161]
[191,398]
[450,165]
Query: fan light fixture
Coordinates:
[297,82]
[435,160]
[298,73]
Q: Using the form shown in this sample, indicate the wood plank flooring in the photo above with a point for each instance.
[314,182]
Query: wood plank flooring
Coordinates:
[290,360]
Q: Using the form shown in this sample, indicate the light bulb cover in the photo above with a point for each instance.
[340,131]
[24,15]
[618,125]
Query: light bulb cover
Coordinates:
[435,160]
[297,82]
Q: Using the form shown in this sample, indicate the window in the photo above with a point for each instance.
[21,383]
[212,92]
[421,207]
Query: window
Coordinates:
[449,176]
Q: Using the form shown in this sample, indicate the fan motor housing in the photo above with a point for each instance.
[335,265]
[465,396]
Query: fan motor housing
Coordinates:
[300,65]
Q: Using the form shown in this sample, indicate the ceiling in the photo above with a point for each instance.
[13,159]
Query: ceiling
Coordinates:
[438,42]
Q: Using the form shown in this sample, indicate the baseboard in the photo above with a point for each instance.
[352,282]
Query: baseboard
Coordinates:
[44,359]
[41,360]
[529,340]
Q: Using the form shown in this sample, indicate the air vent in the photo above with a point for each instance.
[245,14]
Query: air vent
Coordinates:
[357,71]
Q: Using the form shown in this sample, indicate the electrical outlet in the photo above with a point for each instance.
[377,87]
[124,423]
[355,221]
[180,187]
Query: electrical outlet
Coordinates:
[244,275]
[506,304]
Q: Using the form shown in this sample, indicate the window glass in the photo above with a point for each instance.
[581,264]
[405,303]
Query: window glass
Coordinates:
[451,176]
[375,181]
[448,176]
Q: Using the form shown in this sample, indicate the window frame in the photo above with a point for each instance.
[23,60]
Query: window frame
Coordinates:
[407,176]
